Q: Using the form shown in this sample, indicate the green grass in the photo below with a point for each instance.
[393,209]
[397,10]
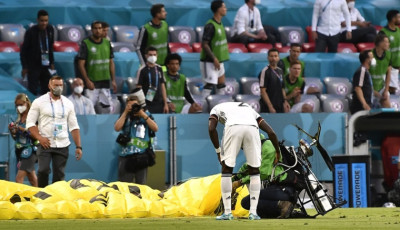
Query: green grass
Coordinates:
[343,218]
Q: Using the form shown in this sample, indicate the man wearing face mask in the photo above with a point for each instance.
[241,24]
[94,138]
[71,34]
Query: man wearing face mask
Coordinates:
[55,116]
[247,24]
[362,84]
[151,81]
[97,68]
[362,31]
[82,104]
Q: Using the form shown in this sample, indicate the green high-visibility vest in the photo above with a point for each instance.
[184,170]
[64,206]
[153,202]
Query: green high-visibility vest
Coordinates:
[176,91]
[98,60]
[286,70]
[290,87]
[219,44]
[378,72]
[158,38]
[394,39]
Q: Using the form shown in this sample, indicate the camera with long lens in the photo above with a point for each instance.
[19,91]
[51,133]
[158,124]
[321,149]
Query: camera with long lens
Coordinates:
[135,108]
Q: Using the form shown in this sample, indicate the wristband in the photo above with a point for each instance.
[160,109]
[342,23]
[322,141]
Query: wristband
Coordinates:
[218,150]
[146,118]
[79,147]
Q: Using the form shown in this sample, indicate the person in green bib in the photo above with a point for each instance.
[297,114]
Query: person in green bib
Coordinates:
[380,71]
[294,53]
[176,85]
[96,65]
[393,32]
[154,33]
[214,51]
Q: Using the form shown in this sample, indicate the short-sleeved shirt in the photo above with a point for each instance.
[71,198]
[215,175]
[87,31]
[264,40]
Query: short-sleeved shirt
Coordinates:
[361,78]
[272,80]
[235,113]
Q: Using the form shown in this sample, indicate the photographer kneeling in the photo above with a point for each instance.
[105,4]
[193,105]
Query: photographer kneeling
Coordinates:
[137,152]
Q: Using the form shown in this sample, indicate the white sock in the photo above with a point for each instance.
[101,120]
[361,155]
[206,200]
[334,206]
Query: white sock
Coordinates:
[206,92]
[226,192]
[255,186]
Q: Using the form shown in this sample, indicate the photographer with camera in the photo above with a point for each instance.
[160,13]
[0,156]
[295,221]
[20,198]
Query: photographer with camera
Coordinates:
[138,127]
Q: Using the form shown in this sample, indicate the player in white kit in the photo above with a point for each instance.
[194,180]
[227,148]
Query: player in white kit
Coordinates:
[241,130]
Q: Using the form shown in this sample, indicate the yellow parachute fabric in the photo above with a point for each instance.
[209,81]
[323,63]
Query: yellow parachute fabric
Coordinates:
[85,198]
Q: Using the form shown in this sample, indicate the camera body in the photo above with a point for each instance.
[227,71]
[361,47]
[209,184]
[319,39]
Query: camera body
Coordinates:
[135,108]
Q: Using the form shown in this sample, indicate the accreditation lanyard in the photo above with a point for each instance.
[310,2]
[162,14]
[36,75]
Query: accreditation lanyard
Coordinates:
[251,22]
[156,77]
[277,75]
[47,43]
[52,108]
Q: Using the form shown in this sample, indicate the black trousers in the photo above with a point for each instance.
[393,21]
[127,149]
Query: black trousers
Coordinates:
[58,157]
[38,78]
[330,42]
[362,34]
[268,201]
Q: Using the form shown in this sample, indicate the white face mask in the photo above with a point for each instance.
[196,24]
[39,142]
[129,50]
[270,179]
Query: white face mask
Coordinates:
[57,91]
[152,59]
[257,2]
[78,89]
[351,5]
[21,108]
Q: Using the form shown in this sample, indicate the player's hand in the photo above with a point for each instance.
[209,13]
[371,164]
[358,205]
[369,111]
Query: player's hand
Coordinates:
[235,185]
[217,65]
[44,142]
[277,156]
[219,158]
[166,109]
[78,154]
[90,85]
[314,35]
[114,86]
[348,35]
[366,107]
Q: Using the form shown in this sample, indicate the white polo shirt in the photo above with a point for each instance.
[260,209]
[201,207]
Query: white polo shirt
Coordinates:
[55,118]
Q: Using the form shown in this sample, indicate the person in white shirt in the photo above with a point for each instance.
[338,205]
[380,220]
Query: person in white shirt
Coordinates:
[326,24]
[82,104]
[241,130]
[362,31]
[55,116]
[247,26]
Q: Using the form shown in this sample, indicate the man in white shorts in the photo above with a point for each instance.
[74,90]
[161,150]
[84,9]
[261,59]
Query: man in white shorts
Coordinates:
[242,125]
[214,51]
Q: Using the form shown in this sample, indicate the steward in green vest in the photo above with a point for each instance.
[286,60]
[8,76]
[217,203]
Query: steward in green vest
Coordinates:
[378,72]
[294,84]
[154,33]
[98,59]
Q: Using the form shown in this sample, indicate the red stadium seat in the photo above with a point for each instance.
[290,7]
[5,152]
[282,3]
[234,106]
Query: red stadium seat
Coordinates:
[365,46]
[378,28]
[308,47]
[65,46]
[196,47]
[237,48]
[176,47]
[309,34]
[9,47]
[346,48]
[259,47]
[284,49]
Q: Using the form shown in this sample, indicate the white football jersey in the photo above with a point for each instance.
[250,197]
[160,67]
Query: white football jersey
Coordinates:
[235,113]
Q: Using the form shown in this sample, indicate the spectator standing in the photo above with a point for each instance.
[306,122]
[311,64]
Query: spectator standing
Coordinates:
[176,85]
[55,116]
[25,148]
[294,53]
[37,56]
[362,31]
[362,84]
[380,71]
[97,68]
[271,86]
[214,50]
[392,31]
[326,25]
[139,126]
[154,33]
[247,26]
[82,104]
[151,81]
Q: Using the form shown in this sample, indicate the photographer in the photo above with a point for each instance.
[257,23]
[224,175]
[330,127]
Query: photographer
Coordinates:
[136,153]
